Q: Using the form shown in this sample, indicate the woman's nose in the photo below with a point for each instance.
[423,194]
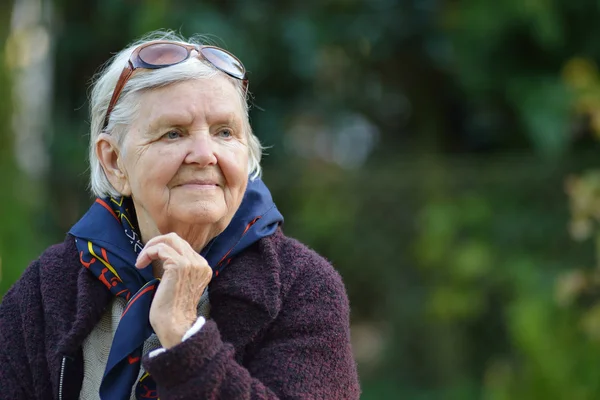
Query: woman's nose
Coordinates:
[201,149]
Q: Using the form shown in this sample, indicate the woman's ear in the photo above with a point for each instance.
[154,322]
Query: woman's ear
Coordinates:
[109,155]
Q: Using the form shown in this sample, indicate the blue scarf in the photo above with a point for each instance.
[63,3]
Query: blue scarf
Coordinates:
[109,242]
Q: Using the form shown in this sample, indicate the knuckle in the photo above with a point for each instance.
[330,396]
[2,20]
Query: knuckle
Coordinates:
[161,246]
[200,266]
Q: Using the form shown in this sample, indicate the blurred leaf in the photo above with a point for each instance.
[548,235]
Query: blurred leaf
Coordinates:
[472,260]
[449,303]
[543,104]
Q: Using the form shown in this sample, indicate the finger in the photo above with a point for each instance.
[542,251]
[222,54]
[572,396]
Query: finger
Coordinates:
[172,239]
[191,254]
[158,251]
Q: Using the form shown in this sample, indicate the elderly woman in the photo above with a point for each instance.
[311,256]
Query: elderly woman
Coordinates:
[178,283]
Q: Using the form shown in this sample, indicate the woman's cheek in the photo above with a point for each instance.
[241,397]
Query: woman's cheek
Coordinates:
[234,158]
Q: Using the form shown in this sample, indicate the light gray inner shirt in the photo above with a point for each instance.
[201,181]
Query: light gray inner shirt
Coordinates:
[96,346]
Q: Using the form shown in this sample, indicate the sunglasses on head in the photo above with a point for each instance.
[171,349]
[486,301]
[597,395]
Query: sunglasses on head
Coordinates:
[161,54]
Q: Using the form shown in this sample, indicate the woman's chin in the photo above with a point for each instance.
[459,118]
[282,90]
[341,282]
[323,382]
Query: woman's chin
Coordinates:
[198,216]
[204,218]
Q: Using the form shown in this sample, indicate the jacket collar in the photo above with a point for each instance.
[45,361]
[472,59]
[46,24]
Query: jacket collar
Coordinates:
[246,297]
[92,299]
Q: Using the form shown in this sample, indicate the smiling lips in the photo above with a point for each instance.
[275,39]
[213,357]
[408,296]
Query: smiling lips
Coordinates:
[205,183]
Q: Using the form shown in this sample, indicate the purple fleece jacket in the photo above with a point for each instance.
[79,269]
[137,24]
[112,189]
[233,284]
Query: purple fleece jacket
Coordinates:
[279,329]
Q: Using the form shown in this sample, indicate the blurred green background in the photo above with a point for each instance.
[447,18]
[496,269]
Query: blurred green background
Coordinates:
[442,154]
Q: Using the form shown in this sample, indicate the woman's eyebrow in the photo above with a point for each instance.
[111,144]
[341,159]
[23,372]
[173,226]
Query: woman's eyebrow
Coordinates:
[170,119]
[227,117]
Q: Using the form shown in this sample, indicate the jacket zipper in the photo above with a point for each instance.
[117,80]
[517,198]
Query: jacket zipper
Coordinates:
[62,377]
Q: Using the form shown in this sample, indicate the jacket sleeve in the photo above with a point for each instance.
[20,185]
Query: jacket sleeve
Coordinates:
[16,379]
[306,354]
[9,380]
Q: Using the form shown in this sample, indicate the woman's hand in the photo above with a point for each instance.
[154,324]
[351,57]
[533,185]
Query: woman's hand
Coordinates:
[185,275]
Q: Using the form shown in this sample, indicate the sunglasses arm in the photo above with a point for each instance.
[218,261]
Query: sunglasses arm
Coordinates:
[125,75]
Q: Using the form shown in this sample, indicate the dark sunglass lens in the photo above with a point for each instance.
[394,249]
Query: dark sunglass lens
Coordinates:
[224,61]
[163,54]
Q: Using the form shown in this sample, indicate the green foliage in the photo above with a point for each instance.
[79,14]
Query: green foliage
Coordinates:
[17,200]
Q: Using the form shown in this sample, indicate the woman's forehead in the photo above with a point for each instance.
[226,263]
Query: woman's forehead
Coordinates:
[211,98]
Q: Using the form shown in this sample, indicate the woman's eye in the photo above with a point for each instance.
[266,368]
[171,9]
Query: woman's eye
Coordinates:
[172,135]
[225,133]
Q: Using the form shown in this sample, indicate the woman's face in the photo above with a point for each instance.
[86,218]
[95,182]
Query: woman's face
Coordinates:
[185,159]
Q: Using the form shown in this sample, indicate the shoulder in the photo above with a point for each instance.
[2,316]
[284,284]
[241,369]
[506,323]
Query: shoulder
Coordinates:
[55,266]
[61,255]
[292,252]
[301,266]
[279,268]
[24,298]
[30,277]
[58,258]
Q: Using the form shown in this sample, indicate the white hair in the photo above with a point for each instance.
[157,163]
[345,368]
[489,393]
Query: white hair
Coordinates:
[126,108]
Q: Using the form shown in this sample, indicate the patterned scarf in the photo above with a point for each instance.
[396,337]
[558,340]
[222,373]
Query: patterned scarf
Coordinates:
[109,242]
